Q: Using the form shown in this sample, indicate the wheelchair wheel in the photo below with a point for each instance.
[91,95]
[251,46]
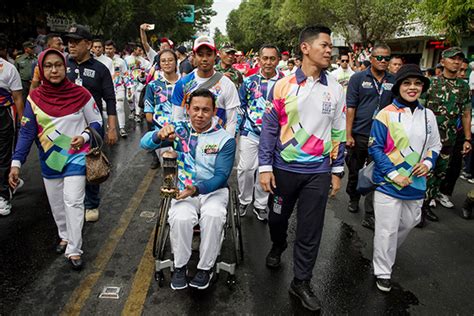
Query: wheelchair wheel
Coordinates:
[234,221]
[161,229]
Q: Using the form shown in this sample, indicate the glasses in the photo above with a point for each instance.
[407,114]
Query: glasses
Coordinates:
[380,58]
[166,61]
[49,67]
[344,60]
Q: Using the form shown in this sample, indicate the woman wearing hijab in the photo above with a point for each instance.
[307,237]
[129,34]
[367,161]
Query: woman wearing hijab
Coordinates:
[56,116]
[404,144]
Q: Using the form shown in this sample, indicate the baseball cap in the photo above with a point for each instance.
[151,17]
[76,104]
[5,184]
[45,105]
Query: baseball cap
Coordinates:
[181,49]
[204,41]
[286,53]
[79,32]
[29,44]
[239,53]
[227,47]
[451,52]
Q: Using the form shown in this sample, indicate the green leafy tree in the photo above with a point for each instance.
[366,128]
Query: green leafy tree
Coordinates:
[219,38]
[454,18]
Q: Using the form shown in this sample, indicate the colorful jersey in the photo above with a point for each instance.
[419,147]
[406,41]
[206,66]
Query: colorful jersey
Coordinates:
[305,130]
[254,101]
[342,76]
[233,74]
[9,81]
[53,137]
[205,159]
[448,99]
[137,67]
[158,101]
[396,145]
[119,76]
[227,99]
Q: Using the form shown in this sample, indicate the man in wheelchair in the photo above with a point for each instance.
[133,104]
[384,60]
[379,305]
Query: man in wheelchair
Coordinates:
[205,158]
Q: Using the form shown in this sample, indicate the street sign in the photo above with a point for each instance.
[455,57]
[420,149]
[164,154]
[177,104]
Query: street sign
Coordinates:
[187,15]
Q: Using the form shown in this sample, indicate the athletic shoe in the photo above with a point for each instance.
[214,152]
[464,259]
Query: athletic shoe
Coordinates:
[444,200]
[5,207]
[353,206]
[273,259]
[138,119]
[369,222]
[261,213]
[465,176]
[202,279]
[433,203]
[471,180]
[178,279]
[123,133]
[131,116]
[92,215]
[243,209]
[384,285]
[19,186]
[303,291]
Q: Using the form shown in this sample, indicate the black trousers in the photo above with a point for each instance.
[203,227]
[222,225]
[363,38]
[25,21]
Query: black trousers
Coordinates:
[311,192]
[356,158]
[454,166]
[7,136]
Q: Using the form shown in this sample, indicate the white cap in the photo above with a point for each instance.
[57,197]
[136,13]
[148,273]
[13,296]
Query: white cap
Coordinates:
[204,41]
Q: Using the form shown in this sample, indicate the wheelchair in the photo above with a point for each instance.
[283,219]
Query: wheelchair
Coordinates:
[232,233]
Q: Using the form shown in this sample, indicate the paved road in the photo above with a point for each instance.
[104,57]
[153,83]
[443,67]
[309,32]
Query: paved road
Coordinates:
[433,274]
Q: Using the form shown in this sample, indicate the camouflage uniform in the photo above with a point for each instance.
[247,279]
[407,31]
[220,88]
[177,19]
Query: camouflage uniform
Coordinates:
[448,99]
[235,75]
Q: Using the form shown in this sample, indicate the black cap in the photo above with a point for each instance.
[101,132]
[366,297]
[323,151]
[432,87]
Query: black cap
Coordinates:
[79,32]
[181,50]
[409,71]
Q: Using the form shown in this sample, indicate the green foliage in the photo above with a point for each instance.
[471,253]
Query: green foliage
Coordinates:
[219,38]
[454,18]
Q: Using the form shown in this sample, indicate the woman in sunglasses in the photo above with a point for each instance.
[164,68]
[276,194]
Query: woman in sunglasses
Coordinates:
[404,144]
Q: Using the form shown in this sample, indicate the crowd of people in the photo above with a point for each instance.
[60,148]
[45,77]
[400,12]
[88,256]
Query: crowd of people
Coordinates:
[293,123]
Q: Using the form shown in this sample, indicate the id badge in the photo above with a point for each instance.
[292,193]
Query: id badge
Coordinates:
[78,81]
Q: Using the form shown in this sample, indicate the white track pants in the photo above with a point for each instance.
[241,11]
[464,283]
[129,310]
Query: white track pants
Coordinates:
[394,219]
[183,216]
[120,98]
[247,175]
[66,198]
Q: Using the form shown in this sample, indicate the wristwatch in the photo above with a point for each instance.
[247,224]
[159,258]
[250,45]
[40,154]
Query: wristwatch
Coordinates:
[340,175]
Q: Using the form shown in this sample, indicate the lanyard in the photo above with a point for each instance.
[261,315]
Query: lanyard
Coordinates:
[379,92]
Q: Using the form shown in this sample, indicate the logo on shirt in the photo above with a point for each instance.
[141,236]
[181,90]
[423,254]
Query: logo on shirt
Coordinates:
[367,85]
[326,106]
[387,86]
[89,73]
[211,149]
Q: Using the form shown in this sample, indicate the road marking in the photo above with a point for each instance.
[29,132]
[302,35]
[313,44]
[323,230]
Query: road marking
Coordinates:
[141,281]
[82,292]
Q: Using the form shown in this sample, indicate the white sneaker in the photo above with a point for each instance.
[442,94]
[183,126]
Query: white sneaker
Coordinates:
[92,215]
[444,200]
[433,203]
[19,186]
[5,207]
[470,180]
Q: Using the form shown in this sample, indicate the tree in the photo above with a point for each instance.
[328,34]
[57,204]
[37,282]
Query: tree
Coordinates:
[219,38]
[368,20]
[454,18]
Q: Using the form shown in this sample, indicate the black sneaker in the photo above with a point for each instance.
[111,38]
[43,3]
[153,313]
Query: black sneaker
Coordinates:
[243,209]
[261,213]
[353,206]
[178,280]
[431,216]
[202,279]
[369,222]
[384,285]
[303,291]
[273,259]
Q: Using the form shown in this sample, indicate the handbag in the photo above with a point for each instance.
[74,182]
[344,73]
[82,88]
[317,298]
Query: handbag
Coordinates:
[365,182]
[98,166]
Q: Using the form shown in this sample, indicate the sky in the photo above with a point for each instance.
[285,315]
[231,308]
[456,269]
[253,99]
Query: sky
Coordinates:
[223,8]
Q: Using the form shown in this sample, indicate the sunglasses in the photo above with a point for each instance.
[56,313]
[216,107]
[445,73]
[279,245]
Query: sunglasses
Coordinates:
[344,60]
[380,58]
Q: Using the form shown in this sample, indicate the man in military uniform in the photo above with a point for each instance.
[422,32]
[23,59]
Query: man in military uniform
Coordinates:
[227,54]
[24,63]
[448,98]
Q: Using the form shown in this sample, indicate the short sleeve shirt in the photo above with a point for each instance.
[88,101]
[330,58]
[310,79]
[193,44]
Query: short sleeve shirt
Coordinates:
[9,81]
